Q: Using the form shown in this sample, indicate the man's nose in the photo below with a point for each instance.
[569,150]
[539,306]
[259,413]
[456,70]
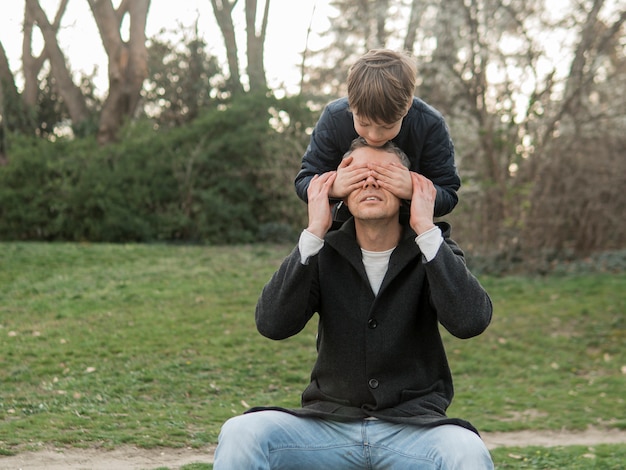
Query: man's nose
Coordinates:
[370,181]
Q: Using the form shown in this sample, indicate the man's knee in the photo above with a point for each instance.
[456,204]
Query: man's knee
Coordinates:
[242,429]
[240,444]
[466,450]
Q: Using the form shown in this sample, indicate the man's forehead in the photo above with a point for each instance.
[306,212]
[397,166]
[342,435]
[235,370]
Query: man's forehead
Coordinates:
[374,154]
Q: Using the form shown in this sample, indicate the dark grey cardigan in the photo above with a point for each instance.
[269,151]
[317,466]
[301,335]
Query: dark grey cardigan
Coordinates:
[378,356]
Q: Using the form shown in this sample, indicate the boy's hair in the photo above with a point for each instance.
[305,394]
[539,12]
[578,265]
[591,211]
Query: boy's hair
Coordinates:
[389,147]
[381,85]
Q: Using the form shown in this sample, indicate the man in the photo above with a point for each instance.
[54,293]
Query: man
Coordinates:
[381,383]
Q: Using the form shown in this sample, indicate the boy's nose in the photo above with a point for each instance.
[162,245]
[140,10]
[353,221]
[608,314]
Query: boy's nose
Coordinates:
[374,135]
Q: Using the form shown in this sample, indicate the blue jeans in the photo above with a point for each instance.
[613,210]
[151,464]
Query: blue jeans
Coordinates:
[277,440]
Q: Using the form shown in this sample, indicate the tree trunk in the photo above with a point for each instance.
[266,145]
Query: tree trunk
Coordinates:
[128,61]
[8,94]
[73,97]
[14,115]
[222,10]
[8,90]
[411,30]
[256,69]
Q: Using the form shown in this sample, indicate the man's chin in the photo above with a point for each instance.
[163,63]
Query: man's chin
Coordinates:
[373,215]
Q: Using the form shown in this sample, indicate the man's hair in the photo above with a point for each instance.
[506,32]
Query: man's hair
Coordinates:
[381,85]
[389,147]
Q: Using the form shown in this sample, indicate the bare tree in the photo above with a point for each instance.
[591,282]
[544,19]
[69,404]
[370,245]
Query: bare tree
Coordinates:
[358,25]
[13,116]
[128,60]
[223,12]
[31,111]
[255,45]
[127,66]
[578,199]
[412,26]
[255,41]
[32,65]
[487,66]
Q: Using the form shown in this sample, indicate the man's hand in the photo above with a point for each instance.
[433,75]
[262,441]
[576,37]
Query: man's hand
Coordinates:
[349,177]
[319,206]
[393,177]
[422,203]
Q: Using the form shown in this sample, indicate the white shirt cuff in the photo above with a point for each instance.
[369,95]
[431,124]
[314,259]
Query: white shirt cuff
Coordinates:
[309,245]
[429,242]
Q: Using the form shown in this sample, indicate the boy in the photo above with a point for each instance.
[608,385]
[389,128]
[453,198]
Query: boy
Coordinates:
[381,107]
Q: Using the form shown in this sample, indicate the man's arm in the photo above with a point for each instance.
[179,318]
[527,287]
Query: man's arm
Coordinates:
[289,299]
[463,307]
[319,207]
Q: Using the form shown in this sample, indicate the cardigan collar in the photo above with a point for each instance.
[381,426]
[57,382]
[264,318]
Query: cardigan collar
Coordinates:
[343,241]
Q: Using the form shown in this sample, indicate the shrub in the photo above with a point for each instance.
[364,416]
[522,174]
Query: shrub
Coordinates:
[214,180]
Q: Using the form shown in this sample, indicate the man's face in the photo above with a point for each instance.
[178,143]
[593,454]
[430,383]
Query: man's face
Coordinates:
[369,201]
[376,134]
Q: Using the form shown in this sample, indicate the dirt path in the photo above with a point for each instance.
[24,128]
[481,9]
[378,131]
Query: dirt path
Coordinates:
[131,458]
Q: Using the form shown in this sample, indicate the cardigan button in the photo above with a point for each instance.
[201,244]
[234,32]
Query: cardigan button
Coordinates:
[372,323]
[373,383]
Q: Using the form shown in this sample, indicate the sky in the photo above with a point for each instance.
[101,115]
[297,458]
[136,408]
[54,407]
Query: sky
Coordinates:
[80,40]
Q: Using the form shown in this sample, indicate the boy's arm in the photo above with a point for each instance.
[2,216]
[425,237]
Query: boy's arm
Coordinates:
[437,164]
[330,139]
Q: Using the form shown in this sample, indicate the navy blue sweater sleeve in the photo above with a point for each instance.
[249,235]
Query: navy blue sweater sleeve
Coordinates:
[330,140]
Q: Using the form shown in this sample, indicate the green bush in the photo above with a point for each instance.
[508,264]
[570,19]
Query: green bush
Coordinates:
[215,180]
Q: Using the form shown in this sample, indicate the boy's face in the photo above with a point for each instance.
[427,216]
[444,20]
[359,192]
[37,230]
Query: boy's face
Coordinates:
[376,134]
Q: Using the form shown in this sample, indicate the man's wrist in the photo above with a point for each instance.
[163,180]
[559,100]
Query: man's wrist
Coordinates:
[319,232]
[423,227]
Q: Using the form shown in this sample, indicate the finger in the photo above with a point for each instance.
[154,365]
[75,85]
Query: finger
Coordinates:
[321,184]
[416,181]
[314,186]
[329,178]
[424,186]
[346,161]
[389,166]
[323,177]
[358,174]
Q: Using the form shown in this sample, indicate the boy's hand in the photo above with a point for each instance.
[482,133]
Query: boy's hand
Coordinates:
[395,178]
[422,203]
[319,207]
[349,177]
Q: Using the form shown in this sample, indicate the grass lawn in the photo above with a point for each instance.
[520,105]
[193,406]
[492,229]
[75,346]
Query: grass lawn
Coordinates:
[155,345]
